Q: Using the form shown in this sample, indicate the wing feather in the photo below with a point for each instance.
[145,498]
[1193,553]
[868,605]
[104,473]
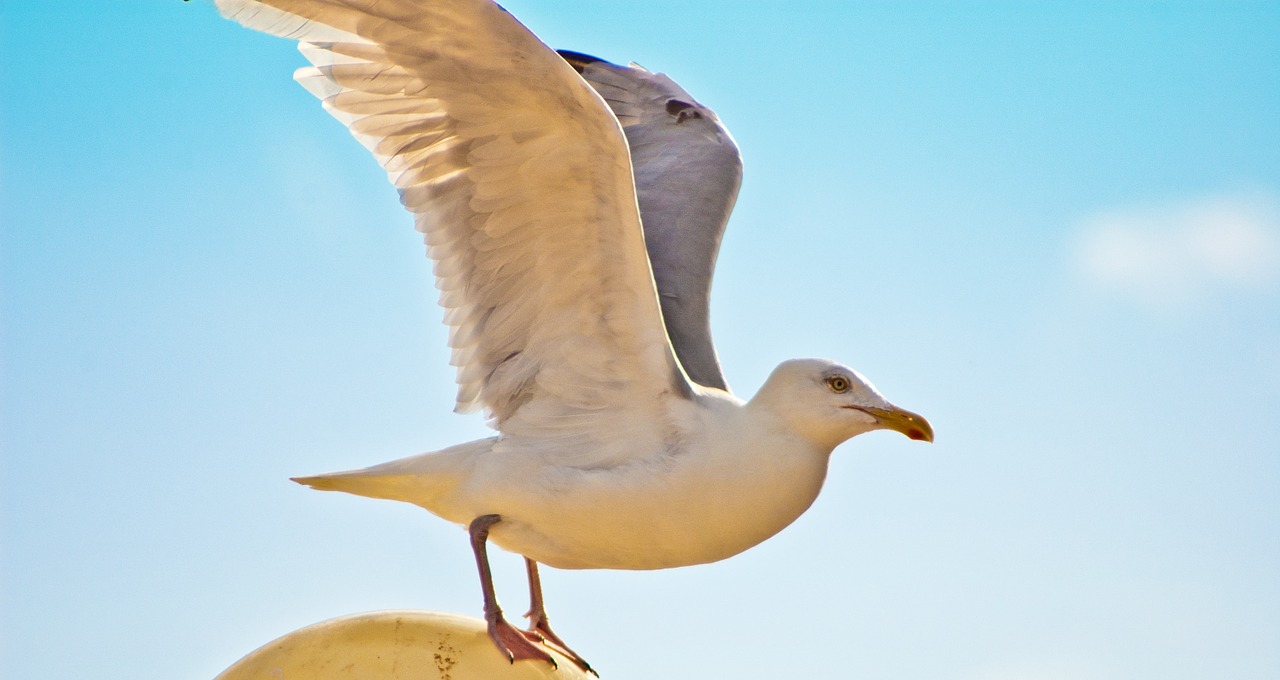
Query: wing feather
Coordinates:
[520,182]
[687,173]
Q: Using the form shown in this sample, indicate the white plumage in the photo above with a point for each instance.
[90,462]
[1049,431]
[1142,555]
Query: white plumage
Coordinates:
[520,177]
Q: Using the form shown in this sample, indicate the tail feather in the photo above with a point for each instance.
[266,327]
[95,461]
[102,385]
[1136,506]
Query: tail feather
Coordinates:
[425,480]
[415,489]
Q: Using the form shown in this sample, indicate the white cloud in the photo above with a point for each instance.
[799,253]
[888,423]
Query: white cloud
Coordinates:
[1174,255]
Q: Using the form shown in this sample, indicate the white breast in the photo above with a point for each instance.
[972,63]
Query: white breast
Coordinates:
[729,486]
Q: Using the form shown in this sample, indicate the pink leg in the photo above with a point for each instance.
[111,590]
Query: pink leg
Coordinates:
[539,629]
[509,639]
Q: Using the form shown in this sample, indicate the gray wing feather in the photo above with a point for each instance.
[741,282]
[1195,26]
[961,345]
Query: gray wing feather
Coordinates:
[687,172]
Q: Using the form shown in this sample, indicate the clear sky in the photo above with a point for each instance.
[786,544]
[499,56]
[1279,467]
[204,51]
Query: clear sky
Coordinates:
[1052,228]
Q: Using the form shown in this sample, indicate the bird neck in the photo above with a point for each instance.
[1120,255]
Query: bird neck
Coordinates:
[776,418]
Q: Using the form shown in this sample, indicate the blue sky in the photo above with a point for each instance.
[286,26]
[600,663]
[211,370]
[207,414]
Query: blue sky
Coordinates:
[1052,228]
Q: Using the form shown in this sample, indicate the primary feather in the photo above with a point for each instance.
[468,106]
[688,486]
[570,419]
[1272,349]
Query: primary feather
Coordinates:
[520,181]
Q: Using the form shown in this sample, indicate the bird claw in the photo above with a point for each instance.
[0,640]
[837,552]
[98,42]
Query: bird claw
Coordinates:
[541,632]
[514,644]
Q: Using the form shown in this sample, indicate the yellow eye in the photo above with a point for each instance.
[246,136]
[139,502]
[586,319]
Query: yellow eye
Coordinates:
[838,383]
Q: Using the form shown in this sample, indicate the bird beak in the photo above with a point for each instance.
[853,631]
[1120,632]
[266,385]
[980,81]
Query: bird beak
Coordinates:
[913,425]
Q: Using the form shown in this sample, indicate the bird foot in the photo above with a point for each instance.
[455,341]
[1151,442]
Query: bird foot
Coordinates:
[514,643]
[539,631]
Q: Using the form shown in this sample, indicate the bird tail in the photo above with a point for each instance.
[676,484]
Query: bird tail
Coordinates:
[425,480]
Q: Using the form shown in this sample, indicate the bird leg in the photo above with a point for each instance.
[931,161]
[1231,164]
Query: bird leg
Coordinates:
[510,640]
[539,629]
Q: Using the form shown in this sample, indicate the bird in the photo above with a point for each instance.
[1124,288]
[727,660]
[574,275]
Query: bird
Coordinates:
[573,211]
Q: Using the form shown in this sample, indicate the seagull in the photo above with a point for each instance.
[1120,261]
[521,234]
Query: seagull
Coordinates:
[573,210]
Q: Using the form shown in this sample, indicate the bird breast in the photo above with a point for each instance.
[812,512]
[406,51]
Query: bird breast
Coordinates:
[712,498]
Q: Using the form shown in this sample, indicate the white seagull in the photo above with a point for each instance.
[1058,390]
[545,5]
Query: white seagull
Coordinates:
[579,330]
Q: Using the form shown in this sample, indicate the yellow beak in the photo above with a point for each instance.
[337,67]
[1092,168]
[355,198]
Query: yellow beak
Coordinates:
[913,425]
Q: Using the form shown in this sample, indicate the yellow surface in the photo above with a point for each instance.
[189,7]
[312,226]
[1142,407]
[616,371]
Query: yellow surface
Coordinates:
[392,645]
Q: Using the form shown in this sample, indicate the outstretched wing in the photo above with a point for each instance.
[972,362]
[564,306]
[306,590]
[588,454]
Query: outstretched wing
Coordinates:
[687,172]
[520,181]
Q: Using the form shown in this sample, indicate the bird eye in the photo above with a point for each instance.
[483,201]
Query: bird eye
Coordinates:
[838,384]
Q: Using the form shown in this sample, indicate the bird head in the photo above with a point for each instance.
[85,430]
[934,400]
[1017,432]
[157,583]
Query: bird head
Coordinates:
[828,403]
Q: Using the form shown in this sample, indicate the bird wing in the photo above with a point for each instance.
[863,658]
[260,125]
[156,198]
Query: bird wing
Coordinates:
[687,173]
[520,181]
